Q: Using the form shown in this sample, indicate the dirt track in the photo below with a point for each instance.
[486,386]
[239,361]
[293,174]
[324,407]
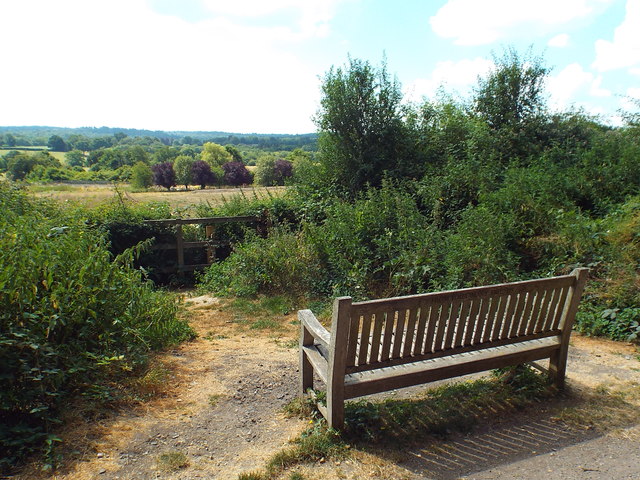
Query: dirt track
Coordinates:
[223,417]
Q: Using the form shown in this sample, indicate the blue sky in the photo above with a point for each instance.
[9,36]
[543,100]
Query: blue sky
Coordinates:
[255,65]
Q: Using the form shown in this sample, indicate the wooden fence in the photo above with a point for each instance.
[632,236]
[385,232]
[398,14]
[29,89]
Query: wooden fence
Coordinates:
[180,245]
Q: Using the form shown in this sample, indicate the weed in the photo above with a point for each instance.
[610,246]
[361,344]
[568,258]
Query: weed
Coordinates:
[171,461]
[265,324]
[214,399]
[257,475]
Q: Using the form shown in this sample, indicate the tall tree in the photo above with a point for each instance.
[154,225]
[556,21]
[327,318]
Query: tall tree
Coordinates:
[183,166]
[215,155]
[202,174]
[362,132]
[164,175]
[57,144]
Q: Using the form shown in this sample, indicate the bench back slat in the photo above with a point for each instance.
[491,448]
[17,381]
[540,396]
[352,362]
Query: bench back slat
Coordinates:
[403,329]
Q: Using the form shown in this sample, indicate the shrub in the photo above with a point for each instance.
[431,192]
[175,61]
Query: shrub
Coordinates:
[141,176]
[70,316]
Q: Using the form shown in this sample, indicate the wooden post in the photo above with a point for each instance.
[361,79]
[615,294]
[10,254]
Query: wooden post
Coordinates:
[306,369]
[211,250]
[180,246]
[340,325]
[558,361]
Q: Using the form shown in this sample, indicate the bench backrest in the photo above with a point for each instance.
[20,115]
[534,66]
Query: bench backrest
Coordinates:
[400,330]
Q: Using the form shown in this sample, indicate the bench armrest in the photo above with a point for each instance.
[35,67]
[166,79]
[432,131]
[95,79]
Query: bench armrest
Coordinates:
[313,326]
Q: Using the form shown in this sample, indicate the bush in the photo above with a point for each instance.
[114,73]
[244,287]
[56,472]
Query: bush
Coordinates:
[71,316]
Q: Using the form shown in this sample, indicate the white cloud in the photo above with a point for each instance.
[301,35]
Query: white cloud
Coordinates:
[473,22]
[559,41]
[458,76]
[624,50]
[118,63]
[575,82]
[312,16]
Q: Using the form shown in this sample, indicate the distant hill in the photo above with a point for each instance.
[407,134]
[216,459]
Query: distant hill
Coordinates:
[308,141]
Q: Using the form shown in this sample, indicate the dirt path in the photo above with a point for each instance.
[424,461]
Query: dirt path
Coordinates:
[224,417]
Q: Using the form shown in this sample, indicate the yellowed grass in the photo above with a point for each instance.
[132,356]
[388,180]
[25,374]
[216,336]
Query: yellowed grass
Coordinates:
[93,195]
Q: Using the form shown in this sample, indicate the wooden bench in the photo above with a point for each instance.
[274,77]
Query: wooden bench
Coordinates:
[385,344]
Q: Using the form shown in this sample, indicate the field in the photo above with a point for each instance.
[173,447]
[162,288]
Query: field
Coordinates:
[92,195]
[57,155]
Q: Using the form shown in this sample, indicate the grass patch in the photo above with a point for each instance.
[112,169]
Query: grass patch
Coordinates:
[265,324]
[171,461]
[214,399]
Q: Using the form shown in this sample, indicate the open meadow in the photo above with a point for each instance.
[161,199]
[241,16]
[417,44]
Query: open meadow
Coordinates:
[92,194]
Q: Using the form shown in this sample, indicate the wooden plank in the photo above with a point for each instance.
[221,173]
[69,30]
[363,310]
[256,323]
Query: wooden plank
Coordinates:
[498,323]
[340,324]
[463,322]
[544,311]
[507,321]
[318,361]
[429,338]
[454,351]
[417,373]
[352,343]
[517,315]
[561,307]
[526,312]
[491,318]
[365,334]
[482,319]
[535,311]
[204,221]
[452,324]
[180,246]
[410,301]
[376,338]
[388,334]
[471,323]
[313,326]
[423,318]
[410,334]
[553,307]
[398,334]
[443,315]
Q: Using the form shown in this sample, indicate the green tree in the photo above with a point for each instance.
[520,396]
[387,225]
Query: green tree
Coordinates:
[10,140]
[57,144]
[362,133]
[215,155]
[235,153]
[265,170]
[141,176]
[510,100]
[74,158]
[183,166]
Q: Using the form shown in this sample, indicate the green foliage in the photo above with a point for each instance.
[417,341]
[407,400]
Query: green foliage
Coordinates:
[215,155]
[282,263]
[183,166]
[141,176]
[362,132]
[71,316]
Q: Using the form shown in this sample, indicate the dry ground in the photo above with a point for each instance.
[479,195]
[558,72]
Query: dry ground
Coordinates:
[221,414]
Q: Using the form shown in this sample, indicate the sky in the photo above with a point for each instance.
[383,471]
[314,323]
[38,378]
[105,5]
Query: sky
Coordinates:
[256,66]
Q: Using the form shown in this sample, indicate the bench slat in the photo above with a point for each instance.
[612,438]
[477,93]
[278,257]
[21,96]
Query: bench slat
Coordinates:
[398,333]
[410,334]
[352,343]
[453,323]
[443,315]
[463,322]
[544,311]
[491,319]
[473,319]
[508,316]
[526,313]
[535,312]
[388,332]
[421,327]
[376,337]
[365,340]
[562,305]
[318,361]
[482,319]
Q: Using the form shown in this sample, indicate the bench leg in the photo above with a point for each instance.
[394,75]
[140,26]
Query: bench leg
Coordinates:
[306,374]
[335,409]
[558,367]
